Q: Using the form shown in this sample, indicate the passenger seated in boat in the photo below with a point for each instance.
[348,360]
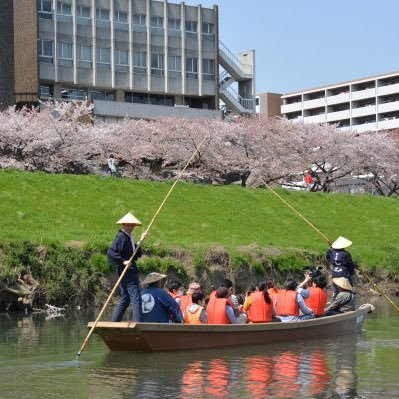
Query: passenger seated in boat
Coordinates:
[345,299]
[259,305]
[195,313]
[219,309]
[318,295]
[157,306]
[272,290]
[228,284]
[173,289]
[186,299]
[291,301]
[242,317]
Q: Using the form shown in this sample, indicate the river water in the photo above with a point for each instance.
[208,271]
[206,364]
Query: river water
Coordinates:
[37,360]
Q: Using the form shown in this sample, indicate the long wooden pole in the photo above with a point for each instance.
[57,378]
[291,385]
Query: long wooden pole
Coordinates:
[329,242]
[138,245]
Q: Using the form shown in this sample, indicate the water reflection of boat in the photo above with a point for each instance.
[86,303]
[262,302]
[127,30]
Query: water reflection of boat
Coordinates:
[309,369]
[154,337]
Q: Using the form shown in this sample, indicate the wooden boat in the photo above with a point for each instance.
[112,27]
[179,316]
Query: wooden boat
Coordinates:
[157,337]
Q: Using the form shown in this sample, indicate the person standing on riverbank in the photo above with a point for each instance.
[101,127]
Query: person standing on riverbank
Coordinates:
[341,261]
[111,165]
[118,255]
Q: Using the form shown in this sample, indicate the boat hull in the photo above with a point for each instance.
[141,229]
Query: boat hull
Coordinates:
[157,337]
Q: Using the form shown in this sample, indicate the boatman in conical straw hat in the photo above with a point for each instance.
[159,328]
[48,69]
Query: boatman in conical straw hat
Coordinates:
[118,255]
[341,261]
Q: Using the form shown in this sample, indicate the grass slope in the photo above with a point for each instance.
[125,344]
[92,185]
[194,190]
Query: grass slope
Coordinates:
[62,208]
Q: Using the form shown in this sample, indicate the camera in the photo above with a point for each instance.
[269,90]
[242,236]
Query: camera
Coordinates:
[314,271]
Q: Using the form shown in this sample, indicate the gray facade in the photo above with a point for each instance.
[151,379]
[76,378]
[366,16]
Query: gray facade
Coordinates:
[138,51]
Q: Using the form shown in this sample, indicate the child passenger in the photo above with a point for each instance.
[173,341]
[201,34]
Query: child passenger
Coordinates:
[195,313]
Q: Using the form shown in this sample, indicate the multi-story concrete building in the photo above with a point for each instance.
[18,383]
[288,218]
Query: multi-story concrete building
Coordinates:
[369,104]
[136,58]
[269,104]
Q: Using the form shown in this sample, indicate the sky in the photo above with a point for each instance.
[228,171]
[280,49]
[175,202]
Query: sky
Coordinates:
[303,44]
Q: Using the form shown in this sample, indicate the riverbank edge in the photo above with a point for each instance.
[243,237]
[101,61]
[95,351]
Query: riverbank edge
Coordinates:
[32,274]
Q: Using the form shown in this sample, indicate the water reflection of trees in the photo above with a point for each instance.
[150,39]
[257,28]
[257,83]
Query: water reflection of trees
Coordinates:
[322,369]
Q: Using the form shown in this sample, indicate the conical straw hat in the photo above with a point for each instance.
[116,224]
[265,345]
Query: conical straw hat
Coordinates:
[343,282]
[341,243]
[153,277]
[129,219]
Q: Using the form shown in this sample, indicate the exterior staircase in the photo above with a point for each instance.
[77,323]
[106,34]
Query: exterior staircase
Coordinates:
[240,74]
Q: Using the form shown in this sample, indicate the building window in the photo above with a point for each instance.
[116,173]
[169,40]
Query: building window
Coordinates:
[46,91]
[103,57]
[139,19]
[157,67]
[121,17]
[65,53]
[121,57]
[139,98]
[157,22]
[64,8]
[140,62]
[102,14]
[174,23]
[208,69]
[174,63]
[191,26]
[207,28]
[192,68]
[160,99]
[84,55]
[74,94]
[45,9]
[45,51]
[83,12]
[102,95]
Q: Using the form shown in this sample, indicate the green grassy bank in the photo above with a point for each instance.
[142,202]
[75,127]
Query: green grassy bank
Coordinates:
[80,211]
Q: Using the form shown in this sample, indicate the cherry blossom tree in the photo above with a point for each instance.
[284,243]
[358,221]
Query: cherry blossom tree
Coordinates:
[62,138]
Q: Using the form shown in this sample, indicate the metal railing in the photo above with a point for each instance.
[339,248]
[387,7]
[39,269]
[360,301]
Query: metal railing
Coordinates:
[247,103]
[233,58]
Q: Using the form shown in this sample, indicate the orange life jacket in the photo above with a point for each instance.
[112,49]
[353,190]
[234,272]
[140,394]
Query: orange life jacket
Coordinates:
[185,300]
[216,311]
[173,295]
[317,300]
[273,295]
[193,318]
[260,311]
[286,303]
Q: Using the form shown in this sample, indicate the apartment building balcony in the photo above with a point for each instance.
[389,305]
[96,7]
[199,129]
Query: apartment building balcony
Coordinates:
[388,106]
[294,107]
[361,94]
[389,89]
[320,118]
[365,127]
[338,98]
[314,103]
[336,116]
[363,111]
[387,123]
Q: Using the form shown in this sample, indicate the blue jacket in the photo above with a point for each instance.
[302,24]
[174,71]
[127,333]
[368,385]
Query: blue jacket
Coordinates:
[341,262]
[157,306]
[121,250]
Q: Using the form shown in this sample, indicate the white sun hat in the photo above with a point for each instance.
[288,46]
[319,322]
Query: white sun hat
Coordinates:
[153,277]
[343,282]
[129,219]
[341,243]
